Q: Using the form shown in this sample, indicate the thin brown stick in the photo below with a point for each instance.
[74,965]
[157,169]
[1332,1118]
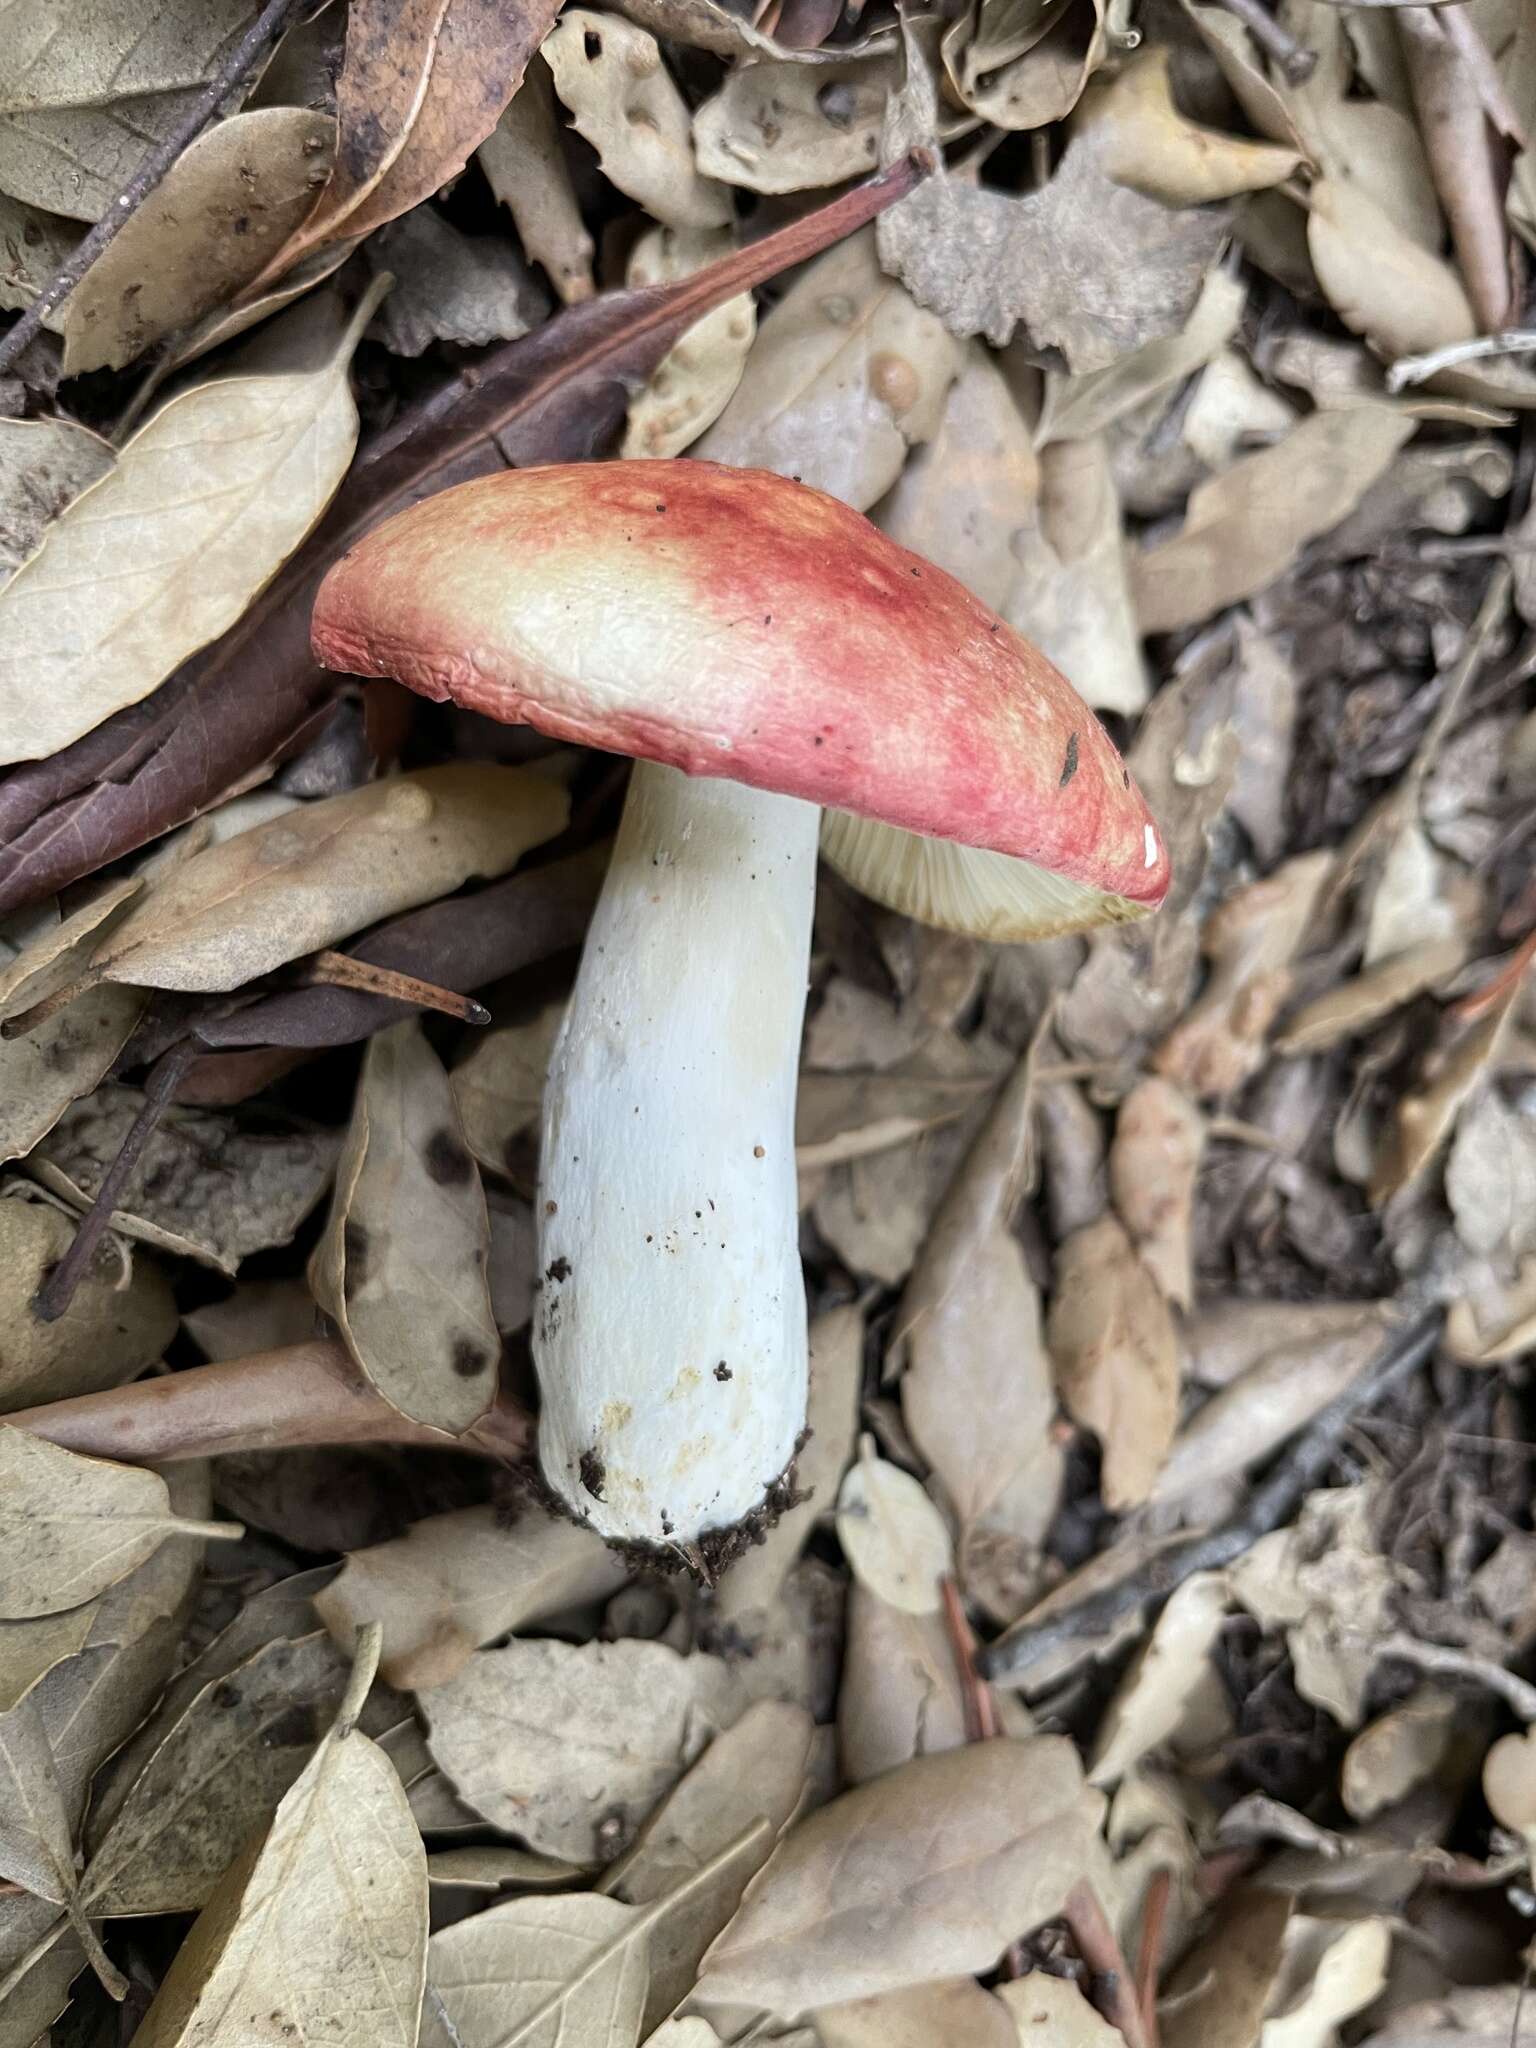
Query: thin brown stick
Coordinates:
[343,970]
[1295,59]
[161,1083]
[299,1396]
[246,54]
[1149,1957]
[1114,1987]
[975,1693]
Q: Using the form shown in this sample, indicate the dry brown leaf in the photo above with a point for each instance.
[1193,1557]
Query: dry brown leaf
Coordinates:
[1403,299]
[1023,63]
[70,1527]
[1242,528]
[899,1694]
[44,466]
[1150,146]
[1356,1006]
[499,1084]
[1150,1702]
[61,1059]
[218,488]
[848,1115]
[1112,1342]
[498,1866]
[977,1394]
[1217,1994]
[692,385]
[202,1188]
[227,203]
[401,1268]
[1490,1178]
[754,1582]
[885,1888]
[893,1536]
[322,1919]
[622,99]
[947,2014]
[781,127]
[570,1748]
[1154,1164]
[1040,2001]
[119,1320]
[1074,407]
[847,376]
[1226,1339]
[538,1970]
[1465,161]
[1250,940]
[458,1580]
[448,286]
[1399,1751]
[525,167]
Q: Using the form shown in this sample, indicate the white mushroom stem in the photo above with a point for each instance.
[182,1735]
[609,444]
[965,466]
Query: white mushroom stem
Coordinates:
[670,1336]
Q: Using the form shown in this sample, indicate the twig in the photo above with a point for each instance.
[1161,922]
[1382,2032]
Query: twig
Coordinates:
[160,1085]
[258,38]
[289,1399]
[1295,1474]
[976,1694]
[1517,1693]
[1295,59]
[1513,341]
[1150,1954]
[345,970]
[1096,1944]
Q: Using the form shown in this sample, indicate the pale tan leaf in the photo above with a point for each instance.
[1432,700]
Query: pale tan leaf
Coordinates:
[571,1748]
[525,167]
[317,874]
[899,1695]
[611,76]
[1051,2009]
[945,2014]
[117,1322]
[499,1866]
[203,1188]
[227,203]
[929,1871]
[218,488]
[402,1265]
[1242,528]
[70,1527]
[892,1534]
[1490,1178]
[1427,1114]
[1150,146]
[449,286]
[322,1920]
[35,1848]
[781,127]
[44,466]
[1150,1701]
[848,1115]
[1074,407]
[1384,286]
[977,1393]
[1401,1750]
[1023,63]
[1495,1319]
[847,376]
[689,2033]
[1216,1995]
[1154,1164]
[54,1064]
[692,385]
[1331,1970]
[537,1971]
[458,1580]
[1356,1006]
[1112,1341]
[753,1583]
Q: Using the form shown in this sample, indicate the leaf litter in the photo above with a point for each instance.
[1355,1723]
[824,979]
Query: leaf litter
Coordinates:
[1172,352]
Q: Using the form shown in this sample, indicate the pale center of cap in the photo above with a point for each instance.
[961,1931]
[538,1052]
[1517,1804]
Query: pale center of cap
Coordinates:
[1150,838]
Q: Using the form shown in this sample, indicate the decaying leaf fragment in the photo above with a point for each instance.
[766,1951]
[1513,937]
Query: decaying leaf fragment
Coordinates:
[1150,146]
[1153,1167]
[70,1527]
[402,1267]
[526,169]
[692,385]
[893,1535]
[44,466]
[60,1060]
[1112,1341]
[117,1323]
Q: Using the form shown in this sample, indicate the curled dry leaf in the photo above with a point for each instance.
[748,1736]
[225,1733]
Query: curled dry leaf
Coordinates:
[448,286]
[319,873]
[55,957]
[570,1748]
[1112,1341]
[1399,1751]
[621,97]
[458,1580]
[893,1535]
[182,254]
[1023,64]
[202,1188]
[885,1887]
[44,466]
[754,1582]
[1242,528]
[322,1919]
[218,488]
[780,127]
[900,1694]
[976,1394]
[1154,1164]
[1250,940]
[70,1527]
[62,1059]
[525,166]
[1357,1005]
[692,385]
[1150,1702]
[121,1317]
[847,376]
[403,1263]
[1150,146]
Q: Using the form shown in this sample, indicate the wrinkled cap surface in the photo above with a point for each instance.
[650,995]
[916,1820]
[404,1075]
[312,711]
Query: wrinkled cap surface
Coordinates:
[730,622]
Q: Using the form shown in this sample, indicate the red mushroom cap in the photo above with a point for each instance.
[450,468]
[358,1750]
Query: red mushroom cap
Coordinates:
[730,622]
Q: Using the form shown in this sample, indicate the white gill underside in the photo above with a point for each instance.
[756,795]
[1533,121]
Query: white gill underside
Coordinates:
[964,888]
[670,1331]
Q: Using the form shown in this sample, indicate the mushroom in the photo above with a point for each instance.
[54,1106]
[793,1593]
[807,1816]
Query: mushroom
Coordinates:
[761,651]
